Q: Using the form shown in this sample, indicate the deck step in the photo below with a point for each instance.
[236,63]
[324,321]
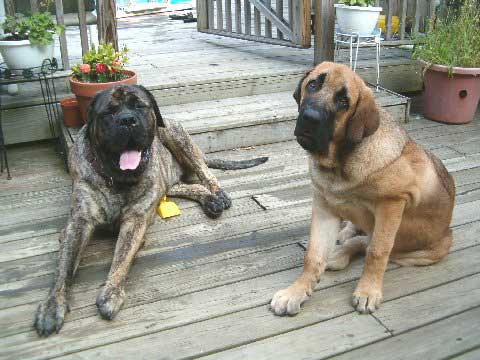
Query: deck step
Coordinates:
[249,120]
[24,117]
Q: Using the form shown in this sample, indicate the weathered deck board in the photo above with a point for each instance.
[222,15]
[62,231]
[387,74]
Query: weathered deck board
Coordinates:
[201,286]
[441,340]
[233,329]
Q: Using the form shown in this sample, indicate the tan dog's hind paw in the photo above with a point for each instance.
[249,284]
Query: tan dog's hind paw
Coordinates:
[366,299]
[109,302]
[339,259]
[288,301]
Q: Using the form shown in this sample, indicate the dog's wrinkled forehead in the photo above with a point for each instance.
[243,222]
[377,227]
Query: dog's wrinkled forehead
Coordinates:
[330,77]
[129,96]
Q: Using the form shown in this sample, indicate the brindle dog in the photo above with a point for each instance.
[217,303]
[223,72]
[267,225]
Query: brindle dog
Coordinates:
[124,160]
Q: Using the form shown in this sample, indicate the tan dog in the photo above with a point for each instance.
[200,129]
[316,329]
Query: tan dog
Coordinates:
[364,169]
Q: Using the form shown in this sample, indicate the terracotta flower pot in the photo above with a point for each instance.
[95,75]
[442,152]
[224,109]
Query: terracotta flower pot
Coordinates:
[71,112]
[85,91]
[451,99]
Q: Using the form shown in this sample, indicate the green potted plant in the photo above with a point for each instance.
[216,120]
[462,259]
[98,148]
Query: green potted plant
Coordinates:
[357,16]
[450,61]
[101,68]
[28,40]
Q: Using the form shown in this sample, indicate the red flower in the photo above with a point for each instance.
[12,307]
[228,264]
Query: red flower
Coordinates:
[84,68]
[101,68]
[116,65]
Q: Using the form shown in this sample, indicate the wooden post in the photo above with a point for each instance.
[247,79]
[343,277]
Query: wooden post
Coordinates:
[219,14]
[416,26]
[238,16]
[403,19]
[388,20]
[63,37]
[268,24]
[82,24]
[9,7]
[324,31]
[279,11]
[107,22]
[228,15]
[301,26]
[33,5]
[202,15]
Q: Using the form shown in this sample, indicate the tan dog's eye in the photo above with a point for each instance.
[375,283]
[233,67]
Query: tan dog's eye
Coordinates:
[312,85]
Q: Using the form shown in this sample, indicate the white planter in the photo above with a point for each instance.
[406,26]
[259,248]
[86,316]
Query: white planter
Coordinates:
[21,54]
[357,19]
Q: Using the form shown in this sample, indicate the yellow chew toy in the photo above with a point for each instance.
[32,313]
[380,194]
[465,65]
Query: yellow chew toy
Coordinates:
[167,209]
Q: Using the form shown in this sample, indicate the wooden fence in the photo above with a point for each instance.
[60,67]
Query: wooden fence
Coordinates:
[283,22]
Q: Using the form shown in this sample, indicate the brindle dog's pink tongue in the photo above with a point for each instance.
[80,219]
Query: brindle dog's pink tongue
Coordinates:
[129,160]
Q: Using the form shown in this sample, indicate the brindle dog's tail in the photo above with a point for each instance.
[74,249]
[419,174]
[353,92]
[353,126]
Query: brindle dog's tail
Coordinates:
[234,165]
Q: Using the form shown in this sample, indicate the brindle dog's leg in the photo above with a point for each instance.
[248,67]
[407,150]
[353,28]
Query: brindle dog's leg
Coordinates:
[50,314]
[130,239]
[211,204]
[189,155]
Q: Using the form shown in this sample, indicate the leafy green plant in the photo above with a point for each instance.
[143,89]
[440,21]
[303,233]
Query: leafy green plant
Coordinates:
[102,64]
[39,28]
[453,41]
[362,3]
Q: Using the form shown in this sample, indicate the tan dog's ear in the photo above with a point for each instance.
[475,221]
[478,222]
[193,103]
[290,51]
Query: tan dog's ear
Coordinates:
[366,118]
[297,94]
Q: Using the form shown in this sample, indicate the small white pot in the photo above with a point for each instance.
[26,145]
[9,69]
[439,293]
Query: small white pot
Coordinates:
[357,19]
[21,54]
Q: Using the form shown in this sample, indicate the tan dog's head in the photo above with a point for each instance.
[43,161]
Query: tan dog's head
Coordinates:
[335,106]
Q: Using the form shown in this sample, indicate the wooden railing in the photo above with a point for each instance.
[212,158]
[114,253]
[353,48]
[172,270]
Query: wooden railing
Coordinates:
[283,22]
[413,17]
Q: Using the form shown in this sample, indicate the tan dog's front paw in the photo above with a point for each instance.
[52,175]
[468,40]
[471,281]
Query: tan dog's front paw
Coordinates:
[367,299]
[288,301]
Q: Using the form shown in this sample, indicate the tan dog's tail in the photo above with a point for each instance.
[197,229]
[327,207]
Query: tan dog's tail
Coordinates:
[234,165]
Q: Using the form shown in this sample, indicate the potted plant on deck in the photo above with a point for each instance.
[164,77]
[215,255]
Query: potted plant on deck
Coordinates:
[102,68]
[357,16]
[29,40]
[450,61]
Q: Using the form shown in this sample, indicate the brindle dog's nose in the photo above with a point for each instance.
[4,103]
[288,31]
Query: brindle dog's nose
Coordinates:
[127,119]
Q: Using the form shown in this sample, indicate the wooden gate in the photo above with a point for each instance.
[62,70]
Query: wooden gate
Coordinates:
[281,22]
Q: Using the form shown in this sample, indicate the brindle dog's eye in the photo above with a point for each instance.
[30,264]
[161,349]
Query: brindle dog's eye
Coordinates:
[312,85]
[140,105]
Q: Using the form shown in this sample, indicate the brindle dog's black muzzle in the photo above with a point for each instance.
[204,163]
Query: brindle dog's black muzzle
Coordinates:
[314,128]
[127,118]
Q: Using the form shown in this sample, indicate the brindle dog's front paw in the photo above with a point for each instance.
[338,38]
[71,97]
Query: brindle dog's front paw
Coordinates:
[109,301]
[213,206]
[223,196]
[50,316]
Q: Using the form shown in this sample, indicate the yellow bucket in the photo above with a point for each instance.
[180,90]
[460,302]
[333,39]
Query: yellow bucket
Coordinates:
[395,23]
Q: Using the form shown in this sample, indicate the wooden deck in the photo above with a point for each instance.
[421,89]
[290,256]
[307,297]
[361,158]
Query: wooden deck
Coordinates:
[182,66]
[200,287]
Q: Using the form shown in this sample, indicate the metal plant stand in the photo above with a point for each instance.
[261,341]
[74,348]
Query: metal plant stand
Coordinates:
[355,41]
[44,75]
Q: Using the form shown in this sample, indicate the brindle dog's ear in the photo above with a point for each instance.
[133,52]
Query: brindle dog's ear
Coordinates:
[91,107]
[153,102]
[366,118]
[298,91]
